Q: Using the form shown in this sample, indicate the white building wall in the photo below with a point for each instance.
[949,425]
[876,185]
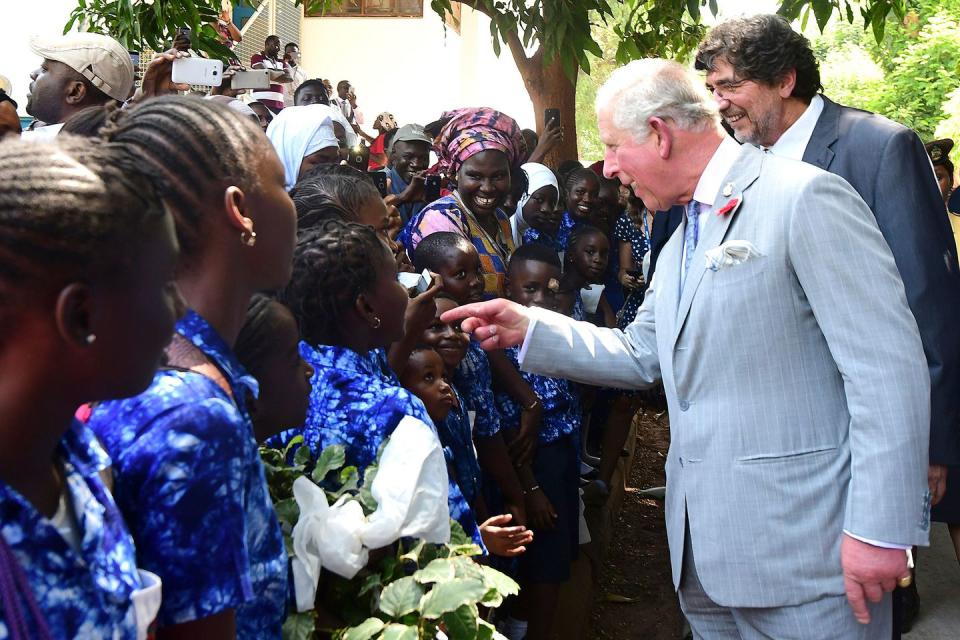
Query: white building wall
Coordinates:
[411,68]
[20,21]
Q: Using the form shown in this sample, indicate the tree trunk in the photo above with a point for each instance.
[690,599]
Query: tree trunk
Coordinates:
[550,88]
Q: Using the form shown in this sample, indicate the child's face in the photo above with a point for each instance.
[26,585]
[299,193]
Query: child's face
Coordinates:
[284,379]
[462,274]
[609,209]
[540,211]
[533,284]
[590,257]
[583,198]
[564,301]
[425,378]
[448,340]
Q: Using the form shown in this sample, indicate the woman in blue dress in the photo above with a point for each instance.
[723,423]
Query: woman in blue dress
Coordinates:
[87,257]
[189,477]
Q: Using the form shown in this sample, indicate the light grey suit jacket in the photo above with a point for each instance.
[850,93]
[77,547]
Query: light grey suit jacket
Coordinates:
[796,381]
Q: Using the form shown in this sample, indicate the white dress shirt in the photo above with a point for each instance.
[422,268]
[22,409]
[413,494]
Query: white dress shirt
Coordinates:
[794,140]
[708,187]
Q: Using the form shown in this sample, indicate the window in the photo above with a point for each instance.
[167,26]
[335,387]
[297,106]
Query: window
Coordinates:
[374,9]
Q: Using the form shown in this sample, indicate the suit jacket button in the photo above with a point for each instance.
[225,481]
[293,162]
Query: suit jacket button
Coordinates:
[684,405]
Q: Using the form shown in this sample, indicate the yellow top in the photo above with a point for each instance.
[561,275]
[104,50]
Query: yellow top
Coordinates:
[955,223]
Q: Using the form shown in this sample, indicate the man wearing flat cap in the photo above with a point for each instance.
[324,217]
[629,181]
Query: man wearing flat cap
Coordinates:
[78,70]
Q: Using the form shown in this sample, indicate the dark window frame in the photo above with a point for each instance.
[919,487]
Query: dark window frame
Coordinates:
[339,12]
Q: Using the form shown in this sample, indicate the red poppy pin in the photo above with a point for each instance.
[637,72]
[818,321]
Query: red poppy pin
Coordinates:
[728,207]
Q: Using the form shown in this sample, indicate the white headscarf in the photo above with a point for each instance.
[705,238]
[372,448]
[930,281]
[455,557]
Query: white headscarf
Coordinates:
[337,115]
[538,176]
[297,132]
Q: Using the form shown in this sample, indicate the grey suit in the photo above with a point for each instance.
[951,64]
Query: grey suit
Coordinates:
[796,382]
[887,165]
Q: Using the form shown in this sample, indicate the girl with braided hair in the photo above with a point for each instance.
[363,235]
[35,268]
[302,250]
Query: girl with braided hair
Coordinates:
[189,478]
[350,306]
[87,305]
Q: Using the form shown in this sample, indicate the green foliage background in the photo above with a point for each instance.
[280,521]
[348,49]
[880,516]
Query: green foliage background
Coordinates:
[911,76]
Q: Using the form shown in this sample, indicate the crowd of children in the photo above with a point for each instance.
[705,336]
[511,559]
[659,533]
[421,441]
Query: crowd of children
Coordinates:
[282,282]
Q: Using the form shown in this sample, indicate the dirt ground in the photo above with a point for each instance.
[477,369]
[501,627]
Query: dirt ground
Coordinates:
[637,565]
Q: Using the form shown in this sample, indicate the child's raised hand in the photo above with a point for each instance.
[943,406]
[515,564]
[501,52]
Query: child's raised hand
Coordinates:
[422,309]
[540,512]
[504,541]
[496,324]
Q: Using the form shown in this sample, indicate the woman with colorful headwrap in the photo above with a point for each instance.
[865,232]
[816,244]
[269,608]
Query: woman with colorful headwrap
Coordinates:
[481,149]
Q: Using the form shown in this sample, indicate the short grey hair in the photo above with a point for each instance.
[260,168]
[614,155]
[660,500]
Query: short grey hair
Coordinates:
[654,87]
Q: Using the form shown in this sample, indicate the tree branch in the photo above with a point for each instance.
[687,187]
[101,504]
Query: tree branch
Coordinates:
[512,38]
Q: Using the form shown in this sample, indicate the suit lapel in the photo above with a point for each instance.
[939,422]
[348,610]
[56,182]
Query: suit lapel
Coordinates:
[741,175]
[819,151]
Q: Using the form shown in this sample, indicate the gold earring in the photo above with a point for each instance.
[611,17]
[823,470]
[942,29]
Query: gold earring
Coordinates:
[249,238]
[376,322]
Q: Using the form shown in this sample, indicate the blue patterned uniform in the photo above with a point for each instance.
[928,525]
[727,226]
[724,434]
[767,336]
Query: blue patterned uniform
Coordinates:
[192,488]
[567,223]
[85,595]
[356,400]
[475,384]
[561,404]
[457,440]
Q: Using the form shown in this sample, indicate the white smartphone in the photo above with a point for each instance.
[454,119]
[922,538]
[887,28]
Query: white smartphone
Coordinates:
[253,79]
[200,71]
[415,283]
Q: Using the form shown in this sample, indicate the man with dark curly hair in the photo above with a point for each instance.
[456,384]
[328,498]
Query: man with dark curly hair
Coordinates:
[766,81]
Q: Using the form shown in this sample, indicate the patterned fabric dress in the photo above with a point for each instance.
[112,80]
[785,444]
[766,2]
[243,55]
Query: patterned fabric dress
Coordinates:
[456,436]
[627,230]
[85,594]
[474,382]
[192,489]
[356,400]
[450,214]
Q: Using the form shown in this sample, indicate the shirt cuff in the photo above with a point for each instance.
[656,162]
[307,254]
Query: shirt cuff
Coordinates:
[526,339]
[877,543]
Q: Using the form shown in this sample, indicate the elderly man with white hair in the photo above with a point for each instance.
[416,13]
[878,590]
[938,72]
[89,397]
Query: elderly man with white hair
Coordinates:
[797,467]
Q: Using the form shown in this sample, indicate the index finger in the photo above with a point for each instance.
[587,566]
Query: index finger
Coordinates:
[473,310]
[857,600]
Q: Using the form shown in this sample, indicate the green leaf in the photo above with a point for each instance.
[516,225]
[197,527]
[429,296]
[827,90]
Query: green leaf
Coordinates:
[302,456]
[371,582]
[503,583]
[462,623]
[299,626]
[465,567]
[822,9]
[486,631]
[365,630]
[449,596]
[399,632]
[401,597]
[349,480]
[439,570]
[332,457]
[288,512]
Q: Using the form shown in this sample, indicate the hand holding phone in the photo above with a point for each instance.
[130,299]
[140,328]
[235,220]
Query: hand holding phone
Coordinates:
[197,71]
[551,118]
[431,188]
[380,179]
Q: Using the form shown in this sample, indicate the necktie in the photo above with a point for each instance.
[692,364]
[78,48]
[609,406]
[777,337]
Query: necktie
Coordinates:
[691,235]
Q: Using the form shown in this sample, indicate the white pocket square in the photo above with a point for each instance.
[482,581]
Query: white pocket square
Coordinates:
[730,253]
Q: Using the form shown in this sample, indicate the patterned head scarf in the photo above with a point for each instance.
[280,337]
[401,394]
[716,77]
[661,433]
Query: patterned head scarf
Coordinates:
[470,131]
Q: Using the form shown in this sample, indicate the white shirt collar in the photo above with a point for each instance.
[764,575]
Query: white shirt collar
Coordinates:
[716,170]
[794,140]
